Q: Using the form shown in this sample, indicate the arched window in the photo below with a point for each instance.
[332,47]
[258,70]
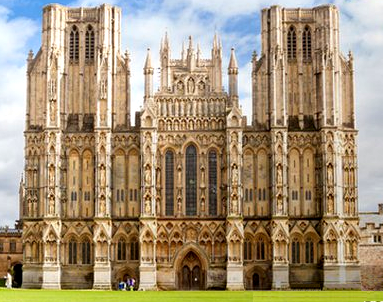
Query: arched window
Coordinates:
[134,250]
[247,251]
[169,183]
[212,183]
[295,251]
[121,250]
[72,252]
[306,44]
[74,45]
[89,44]
[85,251]
[291,43]
[309,251]
[261,249]
[191,181]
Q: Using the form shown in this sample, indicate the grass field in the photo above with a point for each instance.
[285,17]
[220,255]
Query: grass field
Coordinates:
[19,295]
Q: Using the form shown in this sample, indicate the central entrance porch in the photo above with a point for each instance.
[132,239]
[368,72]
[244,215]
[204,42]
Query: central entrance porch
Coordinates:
[191,274]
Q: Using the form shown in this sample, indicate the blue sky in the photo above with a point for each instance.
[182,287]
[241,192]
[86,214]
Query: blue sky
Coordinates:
[238,24]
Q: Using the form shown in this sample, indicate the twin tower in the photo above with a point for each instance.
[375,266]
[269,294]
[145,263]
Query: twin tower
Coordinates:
[191,196]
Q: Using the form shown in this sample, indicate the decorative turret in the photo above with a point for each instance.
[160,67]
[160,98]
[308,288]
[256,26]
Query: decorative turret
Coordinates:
[233,78]
[148,72]
[165,63]
[216,56]
[190,55]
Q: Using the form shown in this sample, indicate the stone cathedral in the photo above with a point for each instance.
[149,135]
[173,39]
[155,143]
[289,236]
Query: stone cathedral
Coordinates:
[192,196]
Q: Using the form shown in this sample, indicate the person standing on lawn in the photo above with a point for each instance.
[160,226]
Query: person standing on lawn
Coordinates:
[8,282]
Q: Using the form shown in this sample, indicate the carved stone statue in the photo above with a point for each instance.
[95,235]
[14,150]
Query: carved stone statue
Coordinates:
[279,175]
[52,110]
[103,89]
[179,204]
[148,176]
[179,175]
[279,204]
[30,209]
[234,203]
[330,204]
[51,176]
[191,86]
[102,205]
[330,176]
[202,204]
[202,176]
[102,176]
[234,175]
[51,204]
[158,177]
[147,204]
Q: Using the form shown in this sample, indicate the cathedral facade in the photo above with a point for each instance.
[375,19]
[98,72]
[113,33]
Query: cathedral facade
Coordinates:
[191,196]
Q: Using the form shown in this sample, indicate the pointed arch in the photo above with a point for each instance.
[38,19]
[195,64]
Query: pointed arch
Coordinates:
[74,41]
[89,44]
[291,43]
[169,182]
[191,180]
[306,44]
[213,184]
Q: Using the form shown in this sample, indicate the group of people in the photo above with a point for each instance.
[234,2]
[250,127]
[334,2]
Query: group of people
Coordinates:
[8,279]
[128,285]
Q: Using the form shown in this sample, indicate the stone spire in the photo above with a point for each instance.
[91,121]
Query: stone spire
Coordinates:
[233,65]
[148,72]
[233,78]
[191,56]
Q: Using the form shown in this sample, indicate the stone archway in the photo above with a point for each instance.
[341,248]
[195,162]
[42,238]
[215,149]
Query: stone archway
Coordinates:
[17,275]
[256,281]
[126,273]
[191,275]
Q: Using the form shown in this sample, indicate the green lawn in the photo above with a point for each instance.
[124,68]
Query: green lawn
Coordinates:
[18,295]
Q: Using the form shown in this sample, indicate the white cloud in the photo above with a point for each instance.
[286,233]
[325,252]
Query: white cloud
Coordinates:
[16,34]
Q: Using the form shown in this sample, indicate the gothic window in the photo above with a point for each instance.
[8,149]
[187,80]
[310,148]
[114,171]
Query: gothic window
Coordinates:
[309,251]
[306,44]
[134,250]
[12,246]
[74,44]
[295,251]
[191,181]
[89,44]
[261,249]
[247,250]
[121,250]
[212,183]
[85,250]
[259,194]
[72,252]
[291,43]
[169,183]
[264,194]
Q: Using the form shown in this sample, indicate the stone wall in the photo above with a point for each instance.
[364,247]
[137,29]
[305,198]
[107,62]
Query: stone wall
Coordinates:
[371,261]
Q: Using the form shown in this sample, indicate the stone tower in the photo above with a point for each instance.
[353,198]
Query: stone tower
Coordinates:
[303,86]
[78,93]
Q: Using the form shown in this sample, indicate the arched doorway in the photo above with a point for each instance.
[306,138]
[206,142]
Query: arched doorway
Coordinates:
[17,275]
[191,276]
[256,281]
